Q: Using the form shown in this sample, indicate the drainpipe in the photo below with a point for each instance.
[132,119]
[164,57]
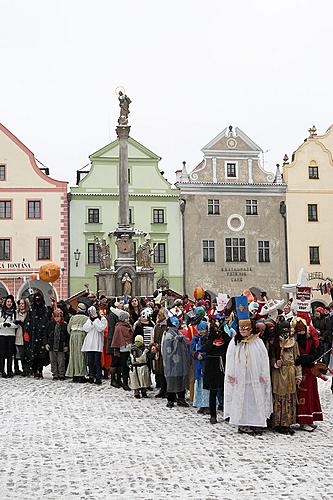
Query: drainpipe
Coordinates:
[283,212]
[69,197]
[182,205]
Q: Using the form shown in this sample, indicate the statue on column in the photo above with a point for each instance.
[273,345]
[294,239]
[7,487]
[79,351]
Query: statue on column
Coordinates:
[144,255]
[103,252]
[124,102]
[127,284]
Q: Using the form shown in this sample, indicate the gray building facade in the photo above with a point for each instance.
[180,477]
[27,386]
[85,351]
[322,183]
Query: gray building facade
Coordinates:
[233,223]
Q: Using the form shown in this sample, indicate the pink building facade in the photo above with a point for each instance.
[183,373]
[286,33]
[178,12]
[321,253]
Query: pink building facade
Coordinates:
[33,222]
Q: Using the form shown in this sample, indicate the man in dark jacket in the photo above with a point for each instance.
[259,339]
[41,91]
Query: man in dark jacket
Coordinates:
[35,325]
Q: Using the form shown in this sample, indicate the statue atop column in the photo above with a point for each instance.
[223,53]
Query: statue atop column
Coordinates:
[124,102]
[103,252]
[144,255]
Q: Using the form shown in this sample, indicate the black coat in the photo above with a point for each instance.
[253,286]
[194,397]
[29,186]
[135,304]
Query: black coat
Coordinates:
[215,361]
[64,336]
[35,324]
[112,321]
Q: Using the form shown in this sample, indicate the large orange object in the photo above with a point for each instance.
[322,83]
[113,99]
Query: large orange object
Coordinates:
[199,293]
[249,295]
[49,272]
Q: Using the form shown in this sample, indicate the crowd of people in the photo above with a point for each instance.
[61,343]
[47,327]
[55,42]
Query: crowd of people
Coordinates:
[252,359]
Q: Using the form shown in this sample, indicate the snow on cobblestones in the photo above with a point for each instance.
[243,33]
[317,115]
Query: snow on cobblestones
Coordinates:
[60,440]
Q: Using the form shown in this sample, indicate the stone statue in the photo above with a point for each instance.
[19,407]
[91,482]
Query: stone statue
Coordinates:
[104,254]
[127,284]
[124,103]
[144,255]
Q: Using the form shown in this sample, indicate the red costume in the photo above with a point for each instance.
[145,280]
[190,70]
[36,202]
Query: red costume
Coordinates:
[308,405]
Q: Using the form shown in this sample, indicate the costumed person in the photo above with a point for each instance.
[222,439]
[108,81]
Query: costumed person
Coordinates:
[247,388]
[93,344]
[176,363]
[199,314]
[215,347]
[56,343]
[134,310]
[115,368]
[22,310]
[35,325]
[8,327]
[139,374]
[286,377]
[106,357]
[321,324]
[201,395]
[121,346]
[145,326]
[157,363]
[308,402]
[77,366]
[287,313]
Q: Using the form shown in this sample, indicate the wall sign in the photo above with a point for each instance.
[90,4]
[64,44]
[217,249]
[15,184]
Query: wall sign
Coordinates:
[15,265]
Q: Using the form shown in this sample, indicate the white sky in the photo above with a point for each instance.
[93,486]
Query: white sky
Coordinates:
[191,67]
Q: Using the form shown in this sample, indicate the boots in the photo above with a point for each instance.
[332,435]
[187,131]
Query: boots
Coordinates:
[17,370]
[114,382]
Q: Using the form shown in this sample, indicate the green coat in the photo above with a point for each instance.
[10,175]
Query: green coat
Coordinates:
[77,366]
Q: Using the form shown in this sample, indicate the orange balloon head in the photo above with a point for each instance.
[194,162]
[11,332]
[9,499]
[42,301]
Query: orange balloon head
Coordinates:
[49,272]
[199,293]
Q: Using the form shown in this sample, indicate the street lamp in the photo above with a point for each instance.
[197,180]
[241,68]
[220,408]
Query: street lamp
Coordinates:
[77,255]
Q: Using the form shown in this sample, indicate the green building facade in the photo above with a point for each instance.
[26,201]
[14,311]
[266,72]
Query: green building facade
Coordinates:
[154,210]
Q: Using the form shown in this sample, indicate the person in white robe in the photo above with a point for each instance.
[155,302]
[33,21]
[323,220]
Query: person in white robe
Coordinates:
[247,389]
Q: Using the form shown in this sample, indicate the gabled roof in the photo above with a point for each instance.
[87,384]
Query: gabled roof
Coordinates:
[32,158]
[132,142]
[237,133]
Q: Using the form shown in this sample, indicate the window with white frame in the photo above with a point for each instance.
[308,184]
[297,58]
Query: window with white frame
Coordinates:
[5,209]
[251,207]
[208,250]
[231,170]
[158,216]
[159,254]
[34,209]
[235,250]
[314,255]
[4,249]
[92,254]
[213,207]
[44,249]
[2,172]
[93,215]
[264,251]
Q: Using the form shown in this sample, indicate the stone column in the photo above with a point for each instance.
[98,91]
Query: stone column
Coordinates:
[122,134]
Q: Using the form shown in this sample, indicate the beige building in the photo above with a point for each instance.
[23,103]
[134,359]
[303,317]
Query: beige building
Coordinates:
[233,230]
[309,200]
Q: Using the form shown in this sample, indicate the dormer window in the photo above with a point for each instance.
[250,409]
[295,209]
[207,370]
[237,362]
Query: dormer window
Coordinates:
[313,172]
[231,170]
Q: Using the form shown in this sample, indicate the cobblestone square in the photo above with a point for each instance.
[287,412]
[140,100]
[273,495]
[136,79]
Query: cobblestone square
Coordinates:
[60,440]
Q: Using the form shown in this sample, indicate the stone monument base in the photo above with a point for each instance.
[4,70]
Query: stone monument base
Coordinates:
[109,282]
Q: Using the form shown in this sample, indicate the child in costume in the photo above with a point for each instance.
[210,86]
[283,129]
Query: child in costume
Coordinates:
[308,405]
[286,377]
[201,395]
[56,343]
[215,348]
[139,372]
[247,387]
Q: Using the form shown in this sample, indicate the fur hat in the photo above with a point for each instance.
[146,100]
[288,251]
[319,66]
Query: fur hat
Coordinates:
[123,316]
